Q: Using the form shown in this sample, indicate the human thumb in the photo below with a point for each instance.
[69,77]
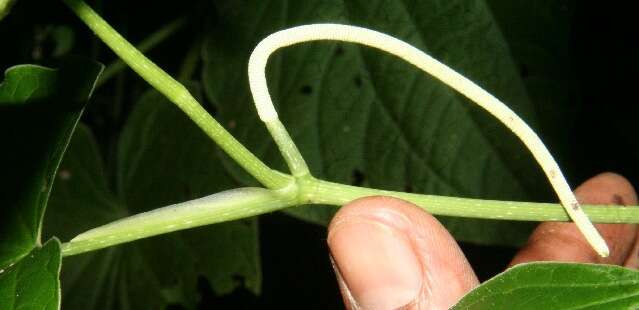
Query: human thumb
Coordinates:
[390,254]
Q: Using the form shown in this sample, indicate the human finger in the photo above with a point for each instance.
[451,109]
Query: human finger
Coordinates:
[554,241]
[390,254]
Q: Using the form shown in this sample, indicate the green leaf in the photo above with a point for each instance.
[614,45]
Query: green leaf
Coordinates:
[32,283]
[557,286]
[358,114]
[39,109]
[163,158]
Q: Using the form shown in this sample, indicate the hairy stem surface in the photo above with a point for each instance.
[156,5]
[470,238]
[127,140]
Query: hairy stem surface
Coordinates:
[221,207]
[246,202]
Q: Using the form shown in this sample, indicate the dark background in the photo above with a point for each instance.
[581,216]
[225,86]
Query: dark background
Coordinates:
[297,271]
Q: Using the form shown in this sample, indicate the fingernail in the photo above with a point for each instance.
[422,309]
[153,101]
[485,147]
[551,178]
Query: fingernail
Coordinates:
[376,263]
[342,286]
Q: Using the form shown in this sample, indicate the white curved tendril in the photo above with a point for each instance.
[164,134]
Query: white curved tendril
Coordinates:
[405,51]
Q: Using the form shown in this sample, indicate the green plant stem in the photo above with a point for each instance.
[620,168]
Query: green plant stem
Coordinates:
[315,191]
[242,203]
[221,207]
[147,44]
[179,95]
[289,150]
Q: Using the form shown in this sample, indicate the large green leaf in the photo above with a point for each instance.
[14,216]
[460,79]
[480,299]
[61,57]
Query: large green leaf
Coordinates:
[163,159]
[557,286]
[32,283]
[361,116]
[39,108]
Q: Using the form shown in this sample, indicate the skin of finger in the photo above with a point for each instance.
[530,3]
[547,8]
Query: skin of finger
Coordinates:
[446,274]
[552,241]
[633,258]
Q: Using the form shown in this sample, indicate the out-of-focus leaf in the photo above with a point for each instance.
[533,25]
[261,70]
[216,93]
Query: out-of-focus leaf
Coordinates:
[557,286]
[5,7]
[361,116]
[163,159]
[64,38]
[32,283]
